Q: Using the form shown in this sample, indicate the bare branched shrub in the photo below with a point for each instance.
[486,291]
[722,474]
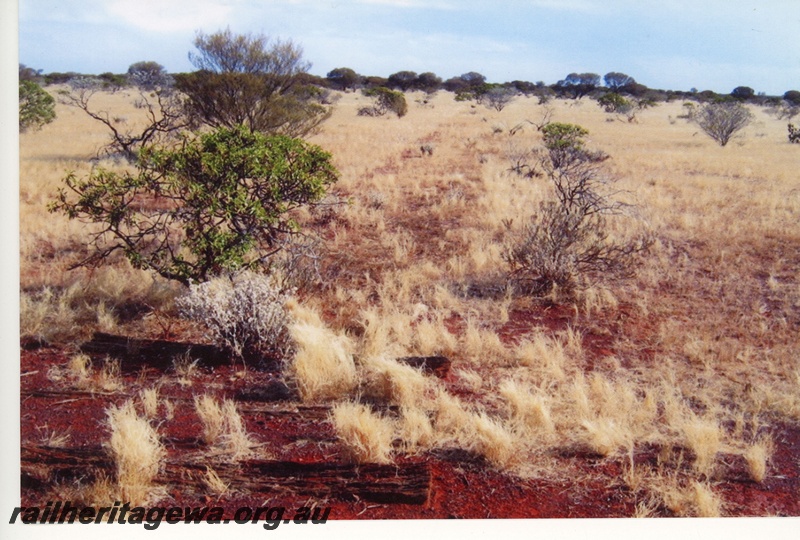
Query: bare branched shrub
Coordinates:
[568,242]
[244,314]
[721,121]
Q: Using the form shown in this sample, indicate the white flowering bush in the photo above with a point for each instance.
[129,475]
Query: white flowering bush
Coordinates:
[244,314]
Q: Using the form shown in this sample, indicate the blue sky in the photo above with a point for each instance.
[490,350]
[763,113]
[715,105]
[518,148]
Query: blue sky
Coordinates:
[671,44]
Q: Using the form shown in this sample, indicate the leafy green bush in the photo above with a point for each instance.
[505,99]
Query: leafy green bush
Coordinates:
[215,204]
[36,106]
[565,145]
[613,102]
[386,100]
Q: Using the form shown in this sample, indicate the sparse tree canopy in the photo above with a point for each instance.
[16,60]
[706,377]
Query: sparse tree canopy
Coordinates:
[221,202]
[248,80]
[497,97]
[36,106]
[721,121]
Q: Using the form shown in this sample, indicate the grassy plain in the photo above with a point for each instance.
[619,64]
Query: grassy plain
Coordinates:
[695,358]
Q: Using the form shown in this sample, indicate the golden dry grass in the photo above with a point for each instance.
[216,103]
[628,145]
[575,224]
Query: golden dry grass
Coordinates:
[137,452]
[224,431]
[703,338]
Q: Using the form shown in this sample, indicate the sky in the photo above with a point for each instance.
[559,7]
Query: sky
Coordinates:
[668,44]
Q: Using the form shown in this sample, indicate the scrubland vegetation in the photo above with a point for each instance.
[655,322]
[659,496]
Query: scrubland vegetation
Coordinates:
[677,361]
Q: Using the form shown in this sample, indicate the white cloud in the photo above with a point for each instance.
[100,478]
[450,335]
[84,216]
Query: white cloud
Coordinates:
[170,16]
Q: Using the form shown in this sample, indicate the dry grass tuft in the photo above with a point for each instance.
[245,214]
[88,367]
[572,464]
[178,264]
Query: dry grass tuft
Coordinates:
[529,412]
[704,437]
[367,437]
[757,457]
[493,441]
[215,484]
[223,427]
[137,452]
[322,367]
[391,382]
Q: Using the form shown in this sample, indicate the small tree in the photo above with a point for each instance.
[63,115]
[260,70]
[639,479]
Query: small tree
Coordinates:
[36,106]
[721,121]
[792,96]
[497,97]
[614,103]
[248,80]
[217,203]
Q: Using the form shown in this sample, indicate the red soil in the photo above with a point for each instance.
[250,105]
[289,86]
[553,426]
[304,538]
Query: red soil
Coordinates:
[462,485]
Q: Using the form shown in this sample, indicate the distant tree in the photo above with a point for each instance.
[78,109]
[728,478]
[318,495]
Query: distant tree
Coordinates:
[634,89]
[374,81]
[343,78]
[473,78]
[721,121]
[577,85]
[29,74]
[792,96]
[615,81]
[148,75]
[402,80]
[36,106]
[743,92]
[249,80]
[497,97]
[524,87]
[428,82]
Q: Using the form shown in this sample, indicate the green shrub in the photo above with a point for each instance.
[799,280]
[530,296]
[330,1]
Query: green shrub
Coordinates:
[386,100]
[36,106]
[217,203]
